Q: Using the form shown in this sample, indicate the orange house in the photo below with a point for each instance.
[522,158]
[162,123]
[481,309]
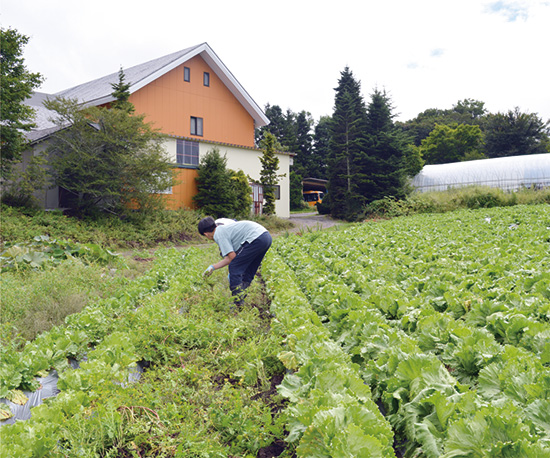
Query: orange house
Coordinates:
[192,98]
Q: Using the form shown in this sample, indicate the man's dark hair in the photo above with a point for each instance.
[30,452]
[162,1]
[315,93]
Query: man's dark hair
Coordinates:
[207,225]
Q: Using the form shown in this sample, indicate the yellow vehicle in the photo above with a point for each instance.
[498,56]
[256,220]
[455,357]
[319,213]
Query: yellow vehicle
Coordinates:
[313,197]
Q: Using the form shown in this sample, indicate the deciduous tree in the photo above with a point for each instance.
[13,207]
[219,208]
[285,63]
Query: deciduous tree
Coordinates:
[466,111]
[452,143]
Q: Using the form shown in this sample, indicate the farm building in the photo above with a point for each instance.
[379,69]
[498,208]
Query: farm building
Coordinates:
[197,103]
[508,173]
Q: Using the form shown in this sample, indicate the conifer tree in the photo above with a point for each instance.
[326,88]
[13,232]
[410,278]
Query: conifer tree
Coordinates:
[121,93]
[278,126]
[381,168]
[321,147]
[347,140]
[243,194]
[216,194]
[16,85]
[303,162]
[107,159]
[268,174]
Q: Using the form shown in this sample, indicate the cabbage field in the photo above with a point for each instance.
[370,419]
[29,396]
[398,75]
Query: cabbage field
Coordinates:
[422,336]
[446,320]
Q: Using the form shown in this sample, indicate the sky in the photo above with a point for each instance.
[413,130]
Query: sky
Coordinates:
[423,53]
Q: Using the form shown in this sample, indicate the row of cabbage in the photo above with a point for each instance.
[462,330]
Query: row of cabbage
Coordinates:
[98,347]
[330,412]
[448,318]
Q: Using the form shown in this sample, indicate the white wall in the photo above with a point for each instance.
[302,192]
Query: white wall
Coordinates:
[247,160]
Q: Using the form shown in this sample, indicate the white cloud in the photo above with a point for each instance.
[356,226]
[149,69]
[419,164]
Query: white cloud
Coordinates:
[511,10]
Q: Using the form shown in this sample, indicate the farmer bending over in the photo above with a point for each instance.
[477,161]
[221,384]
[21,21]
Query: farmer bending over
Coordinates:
[243,246]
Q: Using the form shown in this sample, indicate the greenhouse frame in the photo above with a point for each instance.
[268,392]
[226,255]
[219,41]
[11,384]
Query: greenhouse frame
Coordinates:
[508,173]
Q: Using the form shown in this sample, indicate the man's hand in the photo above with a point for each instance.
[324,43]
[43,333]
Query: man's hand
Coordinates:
[208,271]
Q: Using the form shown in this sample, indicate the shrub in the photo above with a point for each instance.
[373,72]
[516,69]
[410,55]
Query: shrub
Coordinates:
[484,197]
[456,198]
[136,230]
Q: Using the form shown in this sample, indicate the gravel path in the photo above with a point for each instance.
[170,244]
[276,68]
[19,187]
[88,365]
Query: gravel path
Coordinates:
[311,220]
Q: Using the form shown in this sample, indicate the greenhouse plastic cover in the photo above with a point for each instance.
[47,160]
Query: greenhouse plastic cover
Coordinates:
[509,173]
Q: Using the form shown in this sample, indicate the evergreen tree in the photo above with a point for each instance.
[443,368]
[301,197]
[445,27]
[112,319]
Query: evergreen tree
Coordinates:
[268,174]
[296,195]
[516,133]
[278,126]
[303,161]
[121,93]
[381,167]
[321,147]
[16,85]
[347,140]
[216,194]
[243,194]
[107,159]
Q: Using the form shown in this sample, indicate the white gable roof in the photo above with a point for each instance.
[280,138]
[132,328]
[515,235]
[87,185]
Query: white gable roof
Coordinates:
[98,92]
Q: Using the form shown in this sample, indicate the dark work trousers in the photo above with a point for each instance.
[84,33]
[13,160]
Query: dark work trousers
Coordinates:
[249,257]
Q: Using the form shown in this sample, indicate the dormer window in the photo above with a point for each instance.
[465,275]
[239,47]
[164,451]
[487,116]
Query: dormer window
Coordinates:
[186,74]
[206,79]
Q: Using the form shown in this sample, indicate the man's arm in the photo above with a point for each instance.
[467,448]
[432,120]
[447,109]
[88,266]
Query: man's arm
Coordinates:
[225,261]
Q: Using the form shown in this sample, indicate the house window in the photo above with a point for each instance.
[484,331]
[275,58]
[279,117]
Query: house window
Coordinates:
[277,191]
[187,153]
[196,126]
[186,74]
[206,79]
[154,189]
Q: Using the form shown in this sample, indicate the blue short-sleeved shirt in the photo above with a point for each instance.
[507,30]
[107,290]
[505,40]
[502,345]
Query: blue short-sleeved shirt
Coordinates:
[231,237]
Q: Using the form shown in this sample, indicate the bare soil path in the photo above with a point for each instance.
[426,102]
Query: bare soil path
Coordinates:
[311,220]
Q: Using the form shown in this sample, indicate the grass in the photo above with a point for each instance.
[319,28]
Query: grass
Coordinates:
[472,197]
[33,301]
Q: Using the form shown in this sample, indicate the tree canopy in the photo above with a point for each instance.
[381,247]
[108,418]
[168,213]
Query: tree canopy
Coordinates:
[515,133]
[452,143]
[17,85]
[467,111]
[294,132]
[107,159]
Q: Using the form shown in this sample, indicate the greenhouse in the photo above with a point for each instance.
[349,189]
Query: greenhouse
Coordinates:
[508,173]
